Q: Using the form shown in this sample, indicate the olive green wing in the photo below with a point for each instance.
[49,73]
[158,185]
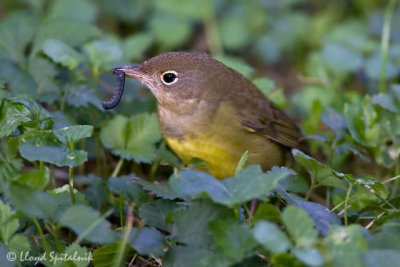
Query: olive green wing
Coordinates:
[273,124]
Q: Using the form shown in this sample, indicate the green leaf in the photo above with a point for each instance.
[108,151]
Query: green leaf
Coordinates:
[22,112]
[87,222]
[267,211]
[236,64]
[82,11]
[132,138]
[345,59]
[3,257]
[265,85]
[70,135]
[38,179]
[248,184]
[309,256]
[81,95]
[159,189]
[62,53]
[81,257]
[102,54]
[190,226]
[8,224]
[271,237]
[382,257]
[107,255]
[322,174]
[323,218]
[31,202]
[44,146]
[160,26]
[134,46]
[131,191]
[374,184]
[233,239]
[387,102]
[147,241]
[363,123]
[70,32]
[16,32]
[346,246]
[155,213]
[335,121]
[300,226]
[234,34]
[19,244]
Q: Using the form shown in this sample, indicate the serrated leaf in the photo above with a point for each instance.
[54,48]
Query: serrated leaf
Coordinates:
[300,226]
[346,246]
[155,213]
[31,202]
[70,135]
[159,189]
[81,257]
[19,244]
[248,184]
[107,255]
[322,174]
[44,146]
[23,112]
[62,53]
[271,237]
[37,179]
[8,224]
[267,211]
[132,138]
[190,226]
[131,190]
[147,241]
[323,218]
[85,220]
[233,239]
[70,32]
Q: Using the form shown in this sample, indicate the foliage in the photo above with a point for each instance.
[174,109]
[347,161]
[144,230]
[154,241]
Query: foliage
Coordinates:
[75,179]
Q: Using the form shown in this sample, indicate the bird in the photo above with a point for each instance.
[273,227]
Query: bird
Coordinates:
[211,112]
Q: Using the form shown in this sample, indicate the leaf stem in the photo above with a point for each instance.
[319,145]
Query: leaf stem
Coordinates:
[117,168]
[71,184]
[121,250]
[121,210]
[385,44]
[346,203]
[40,230]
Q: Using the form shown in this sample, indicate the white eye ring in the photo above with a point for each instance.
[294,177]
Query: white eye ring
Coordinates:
[169,77]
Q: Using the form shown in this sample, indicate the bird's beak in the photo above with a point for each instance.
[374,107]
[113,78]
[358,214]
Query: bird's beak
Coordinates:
[132,72]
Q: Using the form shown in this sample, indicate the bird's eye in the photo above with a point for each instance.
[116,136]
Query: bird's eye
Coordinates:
[169,77]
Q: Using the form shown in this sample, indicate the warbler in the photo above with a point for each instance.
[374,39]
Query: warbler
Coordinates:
[213,113]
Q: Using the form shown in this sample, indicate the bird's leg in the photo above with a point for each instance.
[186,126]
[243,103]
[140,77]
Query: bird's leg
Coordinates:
[119,90]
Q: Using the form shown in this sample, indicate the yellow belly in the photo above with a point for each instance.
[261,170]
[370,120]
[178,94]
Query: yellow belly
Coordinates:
[219,161]
[221,143]
[221,154]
